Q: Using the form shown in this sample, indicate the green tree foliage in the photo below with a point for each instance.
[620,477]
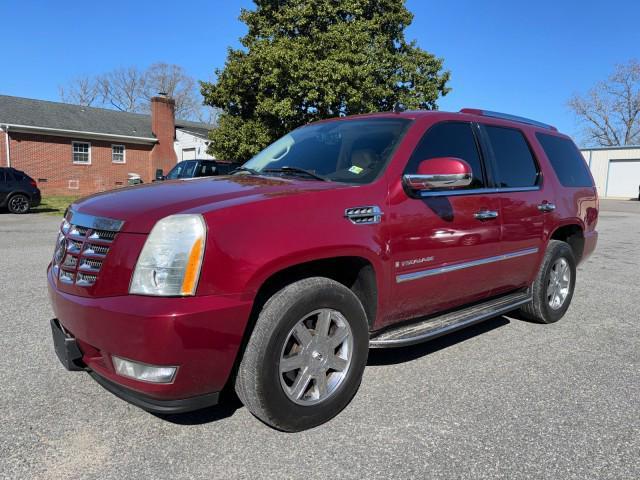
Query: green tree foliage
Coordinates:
[305,60]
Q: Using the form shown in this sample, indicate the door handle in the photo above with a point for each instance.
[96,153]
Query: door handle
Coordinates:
[486,215]
[546,207]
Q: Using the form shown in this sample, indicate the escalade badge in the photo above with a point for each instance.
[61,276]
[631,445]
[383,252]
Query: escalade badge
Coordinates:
[414,261]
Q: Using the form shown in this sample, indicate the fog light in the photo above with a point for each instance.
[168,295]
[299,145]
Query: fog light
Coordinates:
[143,372]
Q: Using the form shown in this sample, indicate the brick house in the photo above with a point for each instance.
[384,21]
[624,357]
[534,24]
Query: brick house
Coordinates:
[77,150]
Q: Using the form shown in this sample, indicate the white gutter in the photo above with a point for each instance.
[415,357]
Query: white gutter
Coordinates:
[78,133]
[7,144]
[613,147]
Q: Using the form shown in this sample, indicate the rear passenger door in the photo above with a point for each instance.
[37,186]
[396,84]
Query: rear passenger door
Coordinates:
[520,186]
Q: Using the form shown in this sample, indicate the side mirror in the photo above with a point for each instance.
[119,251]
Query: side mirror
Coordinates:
[441,172]
[159,174]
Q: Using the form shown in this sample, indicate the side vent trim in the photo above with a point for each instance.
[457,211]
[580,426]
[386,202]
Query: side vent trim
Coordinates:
[364,215]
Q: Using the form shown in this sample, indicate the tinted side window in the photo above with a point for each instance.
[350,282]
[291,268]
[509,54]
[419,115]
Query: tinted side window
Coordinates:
[449,139]
[2,175]
[566,160]
[514,160]
[207,169]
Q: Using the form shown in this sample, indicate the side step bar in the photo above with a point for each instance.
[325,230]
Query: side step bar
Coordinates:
[432,327]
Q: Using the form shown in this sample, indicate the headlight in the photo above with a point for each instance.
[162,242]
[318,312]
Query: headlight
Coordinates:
[170,262]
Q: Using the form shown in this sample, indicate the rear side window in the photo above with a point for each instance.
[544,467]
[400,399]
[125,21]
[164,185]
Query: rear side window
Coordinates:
[514,160]
[449,139]
[566,160]
[207,169]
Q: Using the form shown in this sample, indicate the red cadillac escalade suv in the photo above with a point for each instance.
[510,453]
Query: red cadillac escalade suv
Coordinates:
[371,231]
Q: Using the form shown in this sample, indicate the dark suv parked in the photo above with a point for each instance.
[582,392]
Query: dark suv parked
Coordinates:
[18,191]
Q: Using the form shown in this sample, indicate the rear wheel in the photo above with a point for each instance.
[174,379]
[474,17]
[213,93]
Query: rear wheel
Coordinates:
[306,356]
[552,290]
[18,204]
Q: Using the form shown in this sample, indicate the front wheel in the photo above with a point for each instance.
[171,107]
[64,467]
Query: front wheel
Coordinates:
[552,289]
[306,356]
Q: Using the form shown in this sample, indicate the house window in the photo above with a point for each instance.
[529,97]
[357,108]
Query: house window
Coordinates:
[117,154]
[81,153]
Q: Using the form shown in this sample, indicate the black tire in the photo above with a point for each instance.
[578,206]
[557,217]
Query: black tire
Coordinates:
[258,382]
[539,309]
[18,204]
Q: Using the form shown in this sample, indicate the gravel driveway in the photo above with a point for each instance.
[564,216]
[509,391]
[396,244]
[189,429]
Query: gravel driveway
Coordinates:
[506,399]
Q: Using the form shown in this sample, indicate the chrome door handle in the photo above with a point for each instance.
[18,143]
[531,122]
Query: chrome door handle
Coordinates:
[546,207]
[486,215]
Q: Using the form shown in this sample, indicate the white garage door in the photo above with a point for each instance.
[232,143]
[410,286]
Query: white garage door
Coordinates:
[188,154]
[624,178]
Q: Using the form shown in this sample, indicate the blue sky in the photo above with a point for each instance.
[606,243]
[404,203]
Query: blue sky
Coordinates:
[525,58]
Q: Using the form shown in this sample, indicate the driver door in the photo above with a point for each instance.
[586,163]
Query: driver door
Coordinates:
[444,243]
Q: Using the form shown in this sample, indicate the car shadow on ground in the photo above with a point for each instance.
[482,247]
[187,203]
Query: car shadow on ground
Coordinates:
[229,402]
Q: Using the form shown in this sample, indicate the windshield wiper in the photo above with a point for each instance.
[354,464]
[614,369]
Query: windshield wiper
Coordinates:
[295,170]
[245,169]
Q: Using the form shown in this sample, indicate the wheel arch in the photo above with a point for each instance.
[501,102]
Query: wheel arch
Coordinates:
[573,234]
[356,272]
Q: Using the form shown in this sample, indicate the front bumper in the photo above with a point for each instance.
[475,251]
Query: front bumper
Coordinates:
[69,354]
[199,335]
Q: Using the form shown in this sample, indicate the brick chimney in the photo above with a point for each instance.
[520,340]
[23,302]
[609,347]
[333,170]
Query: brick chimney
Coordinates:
[163,126]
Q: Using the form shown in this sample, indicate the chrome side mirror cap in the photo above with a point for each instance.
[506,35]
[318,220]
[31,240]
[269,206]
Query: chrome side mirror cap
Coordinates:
[438,173]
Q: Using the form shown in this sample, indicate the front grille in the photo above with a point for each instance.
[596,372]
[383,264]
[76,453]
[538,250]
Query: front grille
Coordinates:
[82,249]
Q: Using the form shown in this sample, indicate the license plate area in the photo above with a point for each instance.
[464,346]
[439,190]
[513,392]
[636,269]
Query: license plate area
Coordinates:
[66,347]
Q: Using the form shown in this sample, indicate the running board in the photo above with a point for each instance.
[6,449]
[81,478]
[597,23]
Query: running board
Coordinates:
[430,328]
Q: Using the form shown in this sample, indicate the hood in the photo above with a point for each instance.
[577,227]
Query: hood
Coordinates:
[141,206]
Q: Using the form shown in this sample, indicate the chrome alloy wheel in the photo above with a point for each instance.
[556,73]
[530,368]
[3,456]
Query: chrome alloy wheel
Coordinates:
[559,283]
[316,357]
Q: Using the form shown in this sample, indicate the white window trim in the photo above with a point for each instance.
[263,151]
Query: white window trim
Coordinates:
[73,143]
[124,154]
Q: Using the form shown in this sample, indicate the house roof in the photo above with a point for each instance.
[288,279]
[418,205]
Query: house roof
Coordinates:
[194,128]
[34,114]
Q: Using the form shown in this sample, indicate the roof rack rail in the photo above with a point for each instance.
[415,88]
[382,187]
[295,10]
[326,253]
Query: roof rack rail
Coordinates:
[506,116]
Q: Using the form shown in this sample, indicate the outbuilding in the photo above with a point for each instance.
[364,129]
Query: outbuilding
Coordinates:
[616,170]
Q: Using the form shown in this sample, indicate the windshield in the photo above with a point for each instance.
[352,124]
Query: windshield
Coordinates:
[182,170]
[351,151]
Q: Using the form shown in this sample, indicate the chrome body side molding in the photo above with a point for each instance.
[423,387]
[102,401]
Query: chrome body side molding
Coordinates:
[406,277]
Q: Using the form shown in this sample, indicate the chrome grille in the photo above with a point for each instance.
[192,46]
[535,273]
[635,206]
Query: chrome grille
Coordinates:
[82,248]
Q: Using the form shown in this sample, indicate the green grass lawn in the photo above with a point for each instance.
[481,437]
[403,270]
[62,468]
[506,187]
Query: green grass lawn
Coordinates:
[54,205]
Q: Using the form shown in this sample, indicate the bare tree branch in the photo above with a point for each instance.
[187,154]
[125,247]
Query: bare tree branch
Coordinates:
[610,112]
[130,90]
[81,91]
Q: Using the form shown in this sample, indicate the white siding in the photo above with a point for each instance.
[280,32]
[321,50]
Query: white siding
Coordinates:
[599,160]
[186,141]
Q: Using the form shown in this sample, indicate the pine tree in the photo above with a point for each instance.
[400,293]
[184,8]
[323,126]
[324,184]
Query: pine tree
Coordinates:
[305,60]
